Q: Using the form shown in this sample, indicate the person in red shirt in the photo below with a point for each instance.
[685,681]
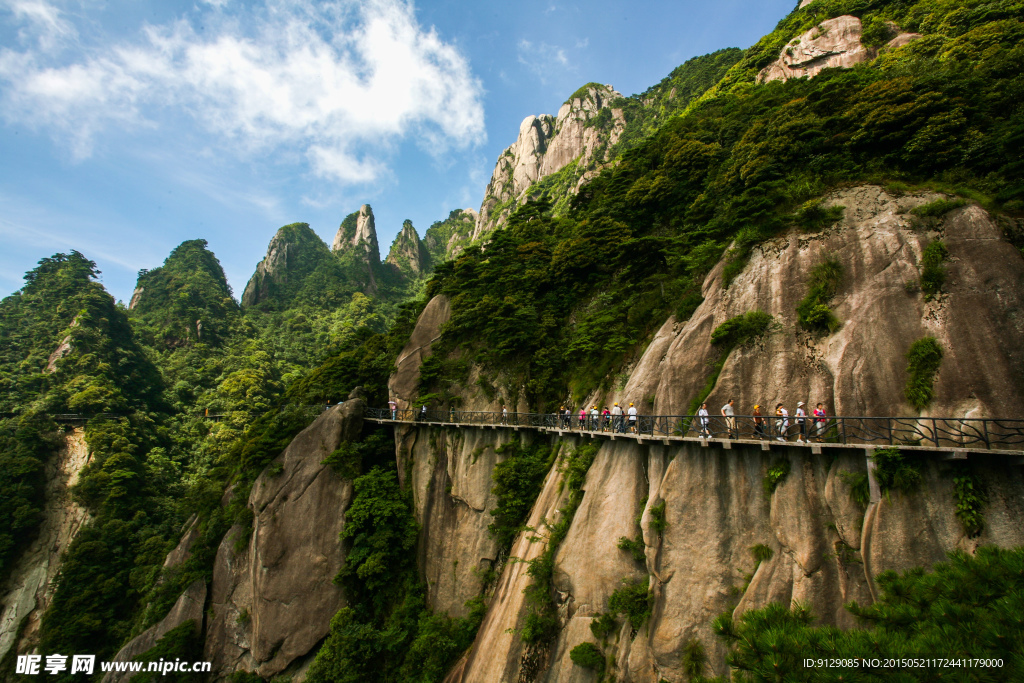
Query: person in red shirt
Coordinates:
[820,422]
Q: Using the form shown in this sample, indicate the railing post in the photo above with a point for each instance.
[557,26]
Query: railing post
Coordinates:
[888,424]
[988,444]
[935,432]
[842,429]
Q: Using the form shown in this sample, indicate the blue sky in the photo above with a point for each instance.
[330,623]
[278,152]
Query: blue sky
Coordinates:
[128,126]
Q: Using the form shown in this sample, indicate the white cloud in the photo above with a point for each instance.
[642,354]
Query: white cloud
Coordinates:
[45,23]
[341,82]
[541,57]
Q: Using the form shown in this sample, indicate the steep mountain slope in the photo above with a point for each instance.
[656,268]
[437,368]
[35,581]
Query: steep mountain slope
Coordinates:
[69,349]
[408,253]
[187,299]
[297,265]
[445,239]
[593,127]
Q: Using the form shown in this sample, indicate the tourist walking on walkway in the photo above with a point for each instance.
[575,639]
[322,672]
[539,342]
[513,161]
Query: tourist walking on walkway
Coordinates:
[583,417]
[616,418]
[781,422]
[394,409]
[423,412]
[504,415]
[821,421]
[730,418]
[702,418]
[758,422]
[604,419]
[632,418]
[593,419]
[801,421]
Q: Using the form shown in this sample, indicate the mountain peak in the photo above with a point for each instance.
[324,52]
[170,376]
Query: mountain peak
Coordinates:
[408,253]
[358,229]
[294,252]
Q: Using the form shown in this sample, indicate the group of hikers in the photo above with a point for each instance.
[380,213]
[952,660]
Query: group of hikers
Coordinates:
[617,420]
[622,420]
[807,426]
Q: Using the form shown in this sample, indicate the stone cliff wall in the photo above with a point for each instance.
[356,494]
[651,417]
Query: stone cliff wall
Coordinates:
[826,549]
[272,595]
[832,43]
[29,588]
[861,369]
[546,145]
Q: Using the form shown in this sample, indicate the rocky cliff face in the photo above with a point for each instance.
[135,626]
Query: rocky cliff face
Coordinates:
[545,146]
[188,607]
[832,43]
[861,369]
[825,548]
[29,589]
[408,254]
[272,595]
[358,232]
[445,239]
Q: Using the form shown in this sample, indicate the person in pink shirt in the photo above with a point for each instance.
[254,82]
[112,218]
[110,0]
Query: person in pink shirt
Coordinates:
[820,422]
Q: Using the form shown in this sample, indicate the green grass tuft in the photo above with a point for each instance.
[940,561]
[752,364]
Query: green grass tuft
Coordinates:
[776,474]
[923,360]
[894,472]
[933,273]
[938,208]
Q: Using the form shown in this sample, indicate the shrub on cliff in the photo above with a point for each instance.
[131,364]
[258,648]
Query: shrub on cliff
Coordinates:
[923,360]
[895,472]
[517,483]
[634,601]
[933,273]
[969,606]
[588,656]
[813,312]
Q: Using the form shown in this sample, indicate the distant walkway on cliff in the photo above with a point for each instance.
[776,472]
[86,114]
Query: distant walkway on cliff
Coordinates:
[953,436]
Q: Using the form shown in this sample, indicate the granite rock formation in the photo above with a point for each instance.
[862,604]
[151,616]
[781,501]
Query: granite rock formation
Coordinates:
[293,253]
[879,245]
[272,595]
[29,588]
[825,548]
[188,607]
[832,43]
[359,232]
[546,145]
[408,253]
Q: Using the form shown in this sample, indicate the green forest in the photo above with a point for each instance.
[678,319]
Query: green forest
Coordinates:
[703,175]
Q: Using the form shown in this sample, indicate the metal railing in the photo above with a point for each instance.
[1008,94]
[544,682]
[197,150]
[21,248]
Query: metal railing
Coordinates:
[932,432]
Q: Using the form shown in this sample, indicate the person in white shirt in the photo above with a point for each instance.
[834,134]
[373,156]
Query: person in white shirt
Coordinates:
[632,418]
[504,415]
[394,408]
[730,418]
[616,418]
[702,415]
[801,421]
[781,422]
